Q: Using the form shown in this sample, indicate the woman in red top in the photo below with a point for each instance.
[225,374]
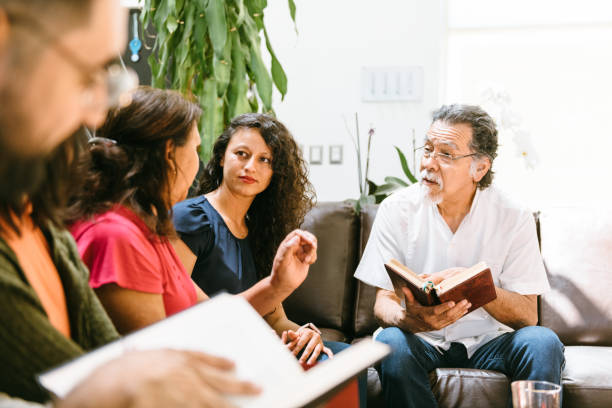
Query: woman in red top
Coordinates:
[143,162]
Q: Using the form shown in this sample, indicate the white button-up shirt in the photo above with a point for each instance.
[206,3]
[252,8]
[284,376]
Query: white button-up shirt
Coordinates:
[409,228]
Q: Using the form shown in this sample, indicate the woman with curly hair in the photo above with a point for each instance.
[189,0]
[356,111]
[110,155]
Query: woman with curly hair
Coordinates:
[254,190]
[143,162]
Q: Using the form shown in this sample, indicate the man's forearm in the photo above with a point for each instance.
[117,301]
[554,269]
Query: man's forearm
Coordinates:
[390,313]
[513,309]
[264,296]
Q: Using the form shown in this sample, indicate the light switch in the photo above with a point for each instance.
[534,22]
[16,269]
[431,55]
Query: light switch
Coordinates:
[316,154]
[335,154]
[389,84]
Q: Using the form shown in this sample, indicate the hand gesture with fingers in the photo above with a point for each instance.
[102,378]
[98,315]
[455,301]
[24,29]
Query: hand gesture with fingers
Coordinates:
[160,378]
[294,256]
[307,341]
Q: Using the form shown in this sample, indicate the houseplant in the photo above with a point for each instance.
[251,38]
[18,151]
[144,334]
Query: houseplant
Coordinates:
[369,191]
[211,49]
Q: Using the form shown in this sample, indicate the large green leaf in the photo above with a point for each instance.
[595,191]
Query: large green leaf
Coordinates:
[372,187]
[380,197]
[256,8]
[241,12]
[405,167]
[212,49]
[149,7]
[187,34]
[261,77]
[171,23]
[252,98]
[292,9]
[237,92]
[186,87]
[256,68]
[217,25]
[396,180]
[278,74]
[209,102]
[155,67]
[163,11]
[201,43]
[159,79]
[222,69]
[386,189]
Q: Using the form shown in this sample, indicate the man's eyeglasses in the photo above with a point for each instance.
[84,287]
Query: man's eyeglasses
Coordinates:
[442,158]
[117,79]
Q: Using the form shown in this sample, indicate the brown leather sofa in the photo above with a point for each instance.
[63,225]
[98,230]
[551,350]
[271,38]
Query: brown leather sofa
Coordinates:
[576,245]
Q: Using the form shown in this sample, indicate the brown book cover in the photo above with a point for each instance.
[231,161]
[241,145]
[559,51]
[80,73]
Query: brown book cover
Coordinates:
[474,284]
[417,286]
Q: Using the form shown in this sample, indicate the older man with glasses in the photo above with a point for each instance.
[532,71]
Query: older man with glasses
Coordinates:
[451,220]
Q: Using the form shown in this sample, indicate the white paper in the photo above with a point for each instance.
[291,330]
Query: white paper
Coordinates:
[228,326]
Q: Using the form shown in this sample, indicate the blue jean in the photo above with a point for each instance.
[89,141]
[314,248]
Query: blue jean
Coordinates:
[362,379]
[531,353]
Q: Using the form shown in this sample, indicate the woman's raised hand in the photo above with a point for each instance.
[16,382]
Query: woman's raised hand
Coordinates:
[294,256]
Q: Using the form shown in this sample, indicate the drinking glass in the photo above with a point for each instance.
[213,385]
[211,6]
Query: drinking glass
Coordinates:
[535,394]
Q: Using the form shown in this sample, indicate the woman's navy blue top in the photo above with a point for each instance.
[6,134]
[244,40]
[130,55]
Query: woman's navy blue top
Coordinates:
[225,263]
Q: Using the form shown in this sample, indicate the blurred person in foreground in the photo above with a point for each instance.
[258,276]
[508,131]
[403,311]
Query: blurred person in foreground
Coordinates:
[54,56]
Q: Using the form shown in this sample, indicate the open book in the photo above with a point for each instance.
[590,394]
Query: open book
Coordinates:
[228,326]
[474,284]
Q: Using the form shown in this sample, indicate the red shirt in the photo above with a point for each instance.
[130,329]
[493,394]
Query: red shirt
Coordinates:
[119,248]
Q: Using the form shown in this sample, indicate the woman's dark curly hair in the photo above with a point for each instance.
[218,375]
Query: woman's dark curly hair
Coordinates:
[126,163]
[281,207]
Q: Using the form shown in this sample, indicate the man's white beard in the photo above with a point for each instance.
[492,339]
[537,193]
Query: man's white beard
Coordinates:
[435,198]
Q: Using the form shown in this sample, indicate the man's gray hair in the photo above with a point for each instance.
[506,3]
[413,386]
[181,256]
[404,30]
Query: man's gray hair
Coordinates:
[484,132]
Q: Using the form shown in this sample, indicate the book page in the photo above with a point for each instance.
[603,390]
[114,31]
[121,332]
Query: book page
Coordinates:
[460,277]
[406,273]
[228,326]
[225,326]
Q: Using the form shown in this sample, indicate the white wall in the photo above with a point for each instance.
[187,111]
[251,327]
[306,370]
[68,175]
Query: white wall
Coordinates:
[323,63]
[554,59]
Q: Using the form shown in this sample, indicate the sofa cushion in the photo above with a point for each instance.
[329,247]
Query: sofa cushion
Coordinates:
[587,382]
[365,323]
[326,296]
[454,387]
[466,387]
[577,251]
[587,377]
[333,335]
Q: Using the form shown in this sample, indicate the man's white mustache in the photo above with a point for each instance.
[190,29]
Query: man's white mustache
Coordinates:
[431,177]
